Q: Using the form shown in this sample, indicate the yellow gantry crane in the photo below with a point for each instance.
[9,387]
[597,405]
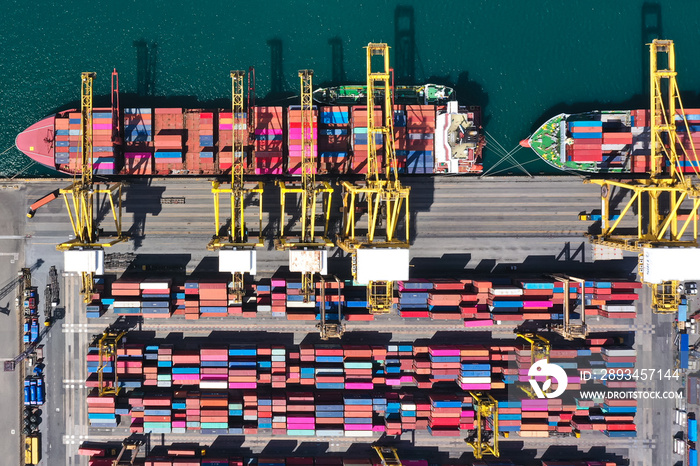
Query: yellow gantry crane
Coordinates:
[389,456]
[127,459]
[307,250]
[107,347]
[376,262]
[539,349]
[233,241]
[328,329]
[484,439]
[85,253]
[568,329]
[668,251]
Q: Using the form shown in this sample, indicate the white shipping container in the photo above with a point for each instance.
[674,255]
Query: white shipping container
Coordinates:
[359,433]
[154,285]
[611,147]
[301,304]
[127,303]
[466,380]
[329,433]
[506,291]
[619,307]
[619,352]
[214,384]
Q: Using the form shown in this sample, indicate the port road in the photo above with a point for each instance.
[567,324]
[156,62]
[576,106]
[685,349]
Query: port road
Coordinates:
[469,227]
[474,225]
[11,261]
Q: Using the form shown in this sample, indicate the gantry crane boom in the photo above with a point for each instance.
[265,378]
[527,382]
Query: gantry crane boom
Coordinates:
[307,251]
[378,263]
[84,253]
[661,227]
[236,251]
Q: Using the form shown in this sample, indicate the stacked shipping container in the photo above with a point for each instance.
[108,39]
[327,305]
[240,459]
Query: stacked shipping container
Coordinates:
[488,302]
[334,139]
[103,160]
[689,140]
[268,141]
[198,141]
[478,302]
[374,380]
[294,139]
[418,144]
[169,127]
[360,138]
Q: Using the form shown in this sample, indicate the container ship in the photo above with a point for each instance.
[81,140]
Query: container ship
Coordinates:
[609,141]
[429,139]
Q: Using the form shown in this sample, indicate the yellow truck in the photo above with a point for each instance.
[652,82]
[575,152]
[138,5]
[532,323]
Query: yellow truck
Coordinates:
[32,444]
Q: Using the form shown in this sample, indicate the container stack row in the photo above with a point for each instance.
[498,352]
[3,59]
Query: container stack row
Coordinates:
[103,161]
[138,136]
[334,139]
[268,141]
[225,140]
[147,298]
[205,299]
[641,158]
[482,302]
[227,128]
[689,140]
[360,139]
[477,302]
[138,126]
[295,137]
[614,417]
[588,141]
[334,390]
[296,308]
[169,130]
[415,143]
[198,137]
[74,132]
[63,142]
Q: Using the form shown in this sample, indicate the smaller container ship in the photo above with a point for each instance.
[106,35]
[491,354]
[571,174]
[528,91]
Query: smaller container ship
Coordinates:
[616,141]
[356,94]
[429,139]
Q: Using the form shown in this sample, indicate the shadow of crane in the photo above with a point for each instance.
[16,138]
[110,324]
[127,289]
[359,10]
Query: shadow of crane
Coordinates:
[337,61]
[405,45]
[146,59]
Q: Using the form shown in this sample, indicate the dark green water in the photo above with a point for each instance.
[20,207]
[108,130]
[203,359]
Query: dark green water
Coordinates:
[522,61]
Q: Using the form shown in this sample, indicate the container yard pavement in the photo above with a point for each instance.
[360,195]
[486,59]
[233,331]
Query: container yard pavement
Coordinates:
[457,224]
[478,225]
